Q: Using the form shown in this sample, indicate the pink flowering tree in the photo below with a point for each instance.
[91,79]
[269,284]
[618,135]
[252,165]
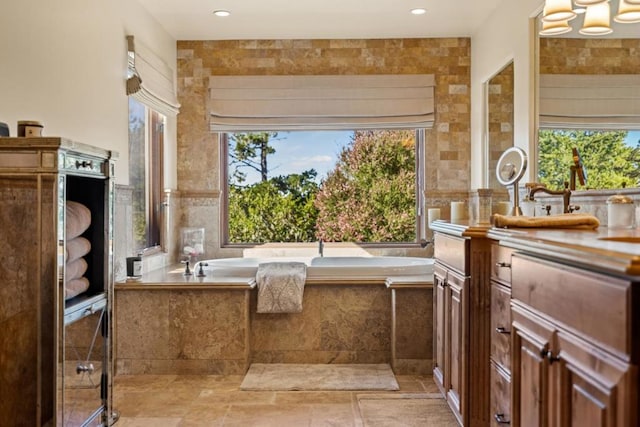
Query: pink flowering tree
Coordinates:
[370,196]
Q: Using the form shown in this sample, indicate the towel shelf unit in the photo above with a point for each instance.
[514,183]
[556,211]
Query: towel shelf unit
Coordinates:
[57,362]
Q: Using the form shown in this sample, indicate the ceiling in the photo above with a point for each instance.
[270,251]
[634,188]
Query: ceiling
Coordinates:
[317,19]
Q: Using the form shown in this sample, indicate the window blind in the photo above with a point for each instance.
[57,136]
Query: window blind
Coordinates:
[609,101]
[151,81]
[321,102]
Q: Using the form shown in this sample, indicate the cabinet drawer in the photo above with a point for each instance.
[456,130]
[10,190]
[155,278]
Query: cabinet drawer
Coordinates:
[452,251]
[500,397]
[595,305]
[501,325]
[501,263]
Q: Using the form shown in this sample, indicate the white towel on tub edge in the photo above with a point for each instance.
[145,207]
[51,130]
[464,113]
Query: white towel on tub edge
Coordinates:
[280,287]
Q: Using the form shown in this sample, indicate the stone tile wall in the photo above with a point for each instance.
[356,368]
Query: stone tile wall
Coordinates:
[412,331]
[183,332]
[589,56]
[448,150]
[338,324]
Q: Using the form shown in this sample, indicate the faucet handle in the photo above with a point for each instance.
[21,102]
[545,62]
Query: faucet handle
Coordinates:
[187,271]
[573,208]
[201,272]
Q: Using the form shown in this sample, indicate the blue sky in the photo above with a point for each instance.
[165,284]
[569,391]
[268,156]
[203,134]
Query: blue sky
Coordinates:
[632,138]
[303,150]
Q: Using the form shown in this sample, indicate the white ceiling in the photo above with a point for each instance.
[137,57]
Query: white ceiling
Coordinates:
[313,19]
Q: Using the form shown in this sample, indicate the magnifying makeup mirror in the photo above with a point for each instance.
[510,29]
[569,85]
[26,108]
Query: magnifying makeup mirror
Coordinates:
[509,170]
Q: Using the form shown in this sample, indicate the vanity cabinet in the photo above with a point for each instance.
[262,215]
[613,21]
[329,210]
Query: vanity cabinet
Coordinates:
[574,360]
[55,346]
[462,301]
[500,355]
[451,298]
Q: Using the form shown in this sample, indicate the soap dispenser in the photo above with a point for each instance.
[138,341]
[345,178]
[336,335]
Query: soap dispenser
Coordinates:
[621,211]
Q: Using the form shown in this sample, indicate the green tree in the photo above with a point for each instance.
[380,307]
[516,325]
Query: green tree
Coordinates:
[250,151]
[609,162]
[370,195]
[278,209]
[137,172]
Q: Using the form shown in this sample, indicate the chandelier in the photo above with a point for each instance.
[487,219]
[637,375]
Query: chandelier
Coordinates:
[597,16]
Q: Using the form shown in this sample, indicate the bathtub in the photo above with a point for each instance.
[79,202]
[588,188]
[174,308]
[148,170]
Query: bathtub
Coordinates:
[329,268]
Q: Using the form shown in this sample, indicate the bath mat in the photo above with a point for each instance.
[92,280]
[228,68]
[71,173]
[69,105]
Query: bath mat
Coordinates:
[405,409]
[288,376]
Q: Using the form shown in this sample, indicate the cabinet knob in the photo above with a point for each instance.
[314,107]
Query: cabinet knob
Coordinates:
[500,419]
[502,330]
[503,264]
[552,358]
[88,368]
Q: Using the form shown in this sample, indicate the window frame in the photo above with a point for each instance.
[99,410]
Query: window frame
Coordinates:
[421,228]
[154,136]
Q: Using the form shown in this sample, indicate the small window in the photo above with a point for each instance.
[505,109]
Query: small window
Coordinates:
[146,136]
[339,186]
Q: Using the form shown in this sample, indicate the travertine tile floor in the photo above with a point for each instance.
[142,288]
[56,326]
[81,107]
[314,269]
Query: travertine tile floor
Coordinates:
[185,401]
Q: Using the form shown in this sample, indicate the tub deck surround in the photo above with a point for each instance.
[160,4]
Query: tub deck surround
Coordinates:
[168,323]
[173,277]
[331,269]
[411,330]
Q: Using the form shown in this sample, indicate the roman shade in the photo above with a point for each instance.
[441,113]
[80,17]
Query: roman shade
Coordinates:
[609,101]
[327,102]
[151,80]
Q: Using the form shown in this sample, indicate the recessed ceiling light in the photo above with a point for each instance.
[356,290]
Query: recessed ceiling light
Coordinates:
[418,11]
[221,12]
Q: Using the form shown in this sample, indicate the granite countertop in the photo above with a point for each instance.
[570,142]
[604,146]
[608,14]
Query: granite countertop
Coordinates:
[173,277]
[587,248]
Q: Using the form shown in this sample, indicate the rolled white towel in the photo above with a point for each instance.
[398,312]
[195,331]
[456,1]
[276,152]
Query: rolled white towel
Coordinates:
[78,219]
[75,269]
[75,287]
[77,248]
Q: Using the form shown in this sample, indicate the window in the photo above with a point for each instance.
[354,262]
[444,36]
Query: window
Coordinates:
[146,136]
[611,158]
[300,186]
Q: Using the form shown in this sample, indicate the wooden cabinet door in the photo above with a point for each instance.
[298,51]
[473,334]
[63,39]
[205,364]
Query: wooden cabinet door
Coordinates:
[456,311]
[530,375]
[500,396]
[440,370]
[593,386]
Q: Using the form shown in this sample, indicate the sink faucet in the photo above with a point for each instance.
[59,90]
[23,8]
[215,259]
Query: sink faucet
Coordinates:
[565,193]
[321,247]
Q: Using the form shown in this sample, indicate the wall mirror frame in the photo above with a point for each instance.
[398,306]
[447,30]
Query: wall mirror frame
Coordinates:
[580,55]
[498,121]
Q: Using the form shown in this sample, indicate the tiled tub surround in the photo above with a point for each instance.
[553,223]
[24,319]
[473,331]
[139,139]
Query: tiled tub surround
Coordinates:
[169,324]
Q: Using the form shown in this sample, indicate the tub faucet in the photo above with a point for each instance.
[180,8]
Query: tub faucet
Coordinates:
[321,247]
[565,193]
[187,271]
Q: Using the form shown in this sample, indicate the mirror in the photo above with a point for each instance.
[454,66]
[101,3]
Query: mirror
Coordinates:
[509,170]
[588,91]
[499,120]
